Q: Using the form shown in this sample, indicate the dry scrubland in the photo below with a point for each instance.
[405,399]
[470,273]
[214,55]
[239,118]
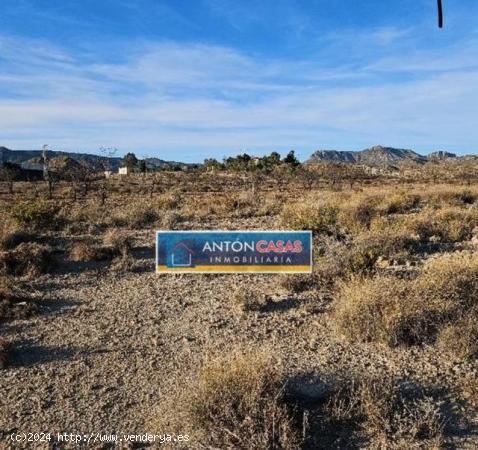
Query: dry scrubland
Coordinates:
[376,349]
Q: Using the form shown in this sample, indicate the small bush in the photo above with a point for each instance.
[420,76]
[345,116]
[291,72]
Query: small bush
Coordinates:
[368,247]
[450,224]
[356,216]
[247,300]
[461,338]
[390,414]
[238,203]
[14,304]
[135,216]
[28,258]
[122,264]
[237,402]
[243,392]
[12,236]
[36,214]
[448,285]
[87,251]
[171,200]
[118,242]
[370,310]
[319,217]
[393,311]
[467,197]
[400,202]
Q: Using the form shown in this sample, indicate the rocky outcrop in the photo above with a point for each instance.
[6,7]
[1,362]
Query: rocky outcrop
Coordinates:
[377,156]
[440,155]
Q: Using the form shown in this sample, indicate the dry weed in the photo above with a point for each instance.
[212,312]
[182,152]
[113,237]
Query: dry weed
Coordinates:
[29,258]
[88,251]
[390,414]
[237,402]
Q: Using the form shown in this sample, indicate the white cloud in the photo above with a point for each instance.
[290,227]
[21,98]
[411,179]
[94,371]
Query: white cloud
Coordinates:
[177,98]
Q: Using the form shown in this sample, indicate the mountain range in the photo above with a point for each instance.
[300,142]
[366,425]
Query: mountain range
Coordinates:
[93,162]
[377,155]
[374,156]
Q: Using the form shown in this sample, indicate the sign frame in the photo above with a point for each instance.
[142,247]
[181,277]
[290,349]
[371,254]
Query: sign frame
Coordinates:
[233,269]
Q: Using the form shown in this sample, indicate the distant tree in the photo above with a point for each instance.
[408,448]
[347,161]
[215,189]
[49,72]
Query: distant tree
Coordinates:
[267,163]
[79,175]
[291,159]
[238,163]
[108,154]
[130,161]
[274,158]
[282,175]
[212,163]
[309,175]
[9,173]
[142,166]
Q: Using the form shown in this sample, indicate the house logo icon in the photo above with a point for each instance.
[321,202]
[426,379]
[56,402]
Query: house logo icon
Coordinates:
[182,255]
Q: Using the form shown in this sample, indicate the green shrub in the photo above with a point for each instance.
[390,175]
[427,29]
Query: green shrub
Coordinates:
[35,214]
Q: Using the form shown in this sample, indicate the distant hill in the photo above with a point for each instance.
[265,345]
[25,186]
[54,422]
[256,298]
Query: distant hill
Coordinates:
[92,162]
[376,156]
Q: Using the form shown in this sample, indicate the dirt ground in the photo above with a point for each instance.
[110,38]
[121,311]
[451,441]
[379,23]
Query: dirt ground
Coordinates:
[107,349]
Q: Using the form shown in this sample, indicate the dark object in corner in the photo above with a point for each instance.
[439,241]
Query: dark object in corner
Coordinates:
[440,13]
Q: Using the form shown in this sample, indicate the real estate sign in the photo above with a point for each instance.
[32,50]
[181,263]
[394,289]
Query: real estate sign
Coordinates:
[233,251]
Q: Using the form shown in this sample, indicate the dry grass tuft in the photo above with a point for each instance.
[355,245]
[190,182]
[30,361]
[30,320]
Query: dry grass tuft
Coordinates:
[135,216]
[38,215]
[237,402]
[14,304]
[371,310]
[123,263]
[320,217]
[400,203]
[242,394]
[390,414]
[357,214]
[461,338]
[170,200]
[87,251]
[118,242]
[246,300]
[13,235]
[393,311]
[29,258]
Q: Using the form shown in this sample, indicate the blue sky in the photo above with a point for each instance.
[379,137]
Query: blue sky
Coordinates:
[189,79]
